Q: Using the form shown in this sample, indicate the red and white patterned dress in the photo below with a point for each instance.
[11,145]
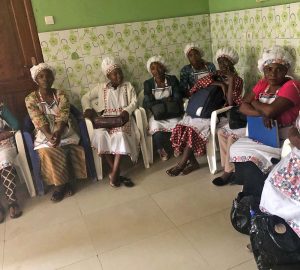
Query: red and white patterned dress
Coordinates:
[194,132]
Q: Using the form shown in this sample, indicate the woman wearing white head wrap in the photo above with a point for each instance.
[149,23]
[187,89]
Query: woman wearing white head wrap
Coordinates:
[118,98]
[197,68]
[190,135]
[55,139]
[275,97]
[158,90]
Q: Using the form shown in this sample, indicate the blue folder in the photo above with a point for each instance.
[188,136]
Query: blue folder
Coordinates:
[257,131]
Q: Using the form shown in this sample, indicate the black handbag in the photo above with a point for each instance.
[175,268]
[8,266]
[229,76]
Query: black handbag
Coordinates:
[240,212]
[274,242]
[167,109]
[236,118]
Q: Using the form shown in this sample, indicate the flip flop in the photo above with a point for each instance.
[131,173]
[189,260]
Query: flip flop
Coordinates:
[190,168]
[126,181]
[175,171]
[17,212]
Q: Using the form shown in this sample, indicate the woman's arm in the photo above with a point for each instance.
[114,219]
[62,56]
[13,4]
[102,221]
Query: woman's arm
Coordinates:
[37,116]
[176,92]
[246,107]
[88,97]
[274,109]
[294,137]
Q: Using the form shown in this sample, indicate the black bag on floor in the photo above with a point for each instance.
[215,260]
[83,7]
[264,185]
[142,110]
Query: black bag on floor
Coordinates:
[207,100]
[274,242]
[240,212]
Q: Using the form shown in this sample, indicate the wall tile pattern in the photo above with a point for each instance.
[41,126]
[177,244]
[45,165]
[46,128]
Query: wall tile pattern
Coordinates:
[77,54]
[252,31]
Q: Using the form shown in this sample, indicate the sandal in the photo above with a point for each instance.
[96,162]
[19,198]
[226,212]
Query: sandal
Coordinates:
[14,210]
[190,167]
[175,171]
[114,184]
[58,194]
[126,181]
[68,190]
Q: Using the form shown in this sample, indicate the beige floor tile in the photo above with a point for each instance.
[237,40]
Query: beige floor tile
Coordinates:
[188,202]
[53,247]
[124,224]
[250,265]
[39,213]
[101,195]
[1,253]
[214,236]
[88,264]
[155,179]
[169,250]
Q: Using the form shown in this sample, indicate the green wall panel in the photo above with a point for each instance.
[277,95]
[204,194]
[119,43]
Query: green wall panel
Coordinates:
[230,5]
[69,14]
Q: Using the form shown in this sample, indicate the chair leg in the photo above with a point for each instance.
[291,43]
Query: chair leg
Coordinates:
[211,155]
[98,165]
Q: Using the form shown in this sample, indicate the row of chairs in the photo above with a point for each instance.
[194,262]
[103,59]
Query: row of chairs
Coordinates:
[34,181]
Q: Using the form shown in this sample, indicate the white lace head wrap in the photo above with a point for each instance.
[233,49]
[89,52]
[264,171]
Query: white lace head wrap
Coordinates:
[35,70]
[228,53]
[156,58]
[276,54]
[108,65]
[190,46]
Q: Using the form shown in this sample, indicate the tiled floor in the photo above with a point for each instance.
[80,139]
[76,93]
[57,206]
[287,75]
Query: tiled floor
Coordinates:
[162,223]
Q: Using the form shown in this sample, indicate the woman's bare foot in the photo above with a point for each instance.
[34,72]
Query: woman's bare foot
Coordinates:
[114,180]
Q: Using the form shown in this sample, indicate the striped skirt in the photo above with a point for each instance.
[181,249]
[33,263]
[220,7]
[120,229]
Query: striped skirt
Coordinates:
[59,165]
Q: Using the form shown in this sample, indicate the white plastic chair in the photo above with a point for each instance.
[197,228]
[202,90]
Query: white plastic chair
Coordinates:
[286,148]
[212,145]
[98,159]
[21,165]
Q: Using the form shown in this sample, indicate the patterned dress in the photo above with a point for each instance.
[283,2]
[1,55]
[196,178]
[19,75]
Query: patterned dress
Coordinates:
[58,164]
[281,192]
[8,151]
[194,132]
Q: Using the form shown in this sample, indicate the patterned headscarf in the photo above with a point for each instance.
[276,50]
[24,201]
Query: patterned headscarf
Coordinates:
[228,53]
[156,58]
[108,65]
[190,46]
[35,70]
[276,54]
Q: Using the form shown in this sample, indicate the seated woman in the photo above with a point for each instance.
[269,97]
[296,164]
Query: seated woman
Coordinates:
[275,97]
[62,158]
[157,90]
[118,98]
[197,69]
[191,134]
[281,191]
[226,137]
[8,152]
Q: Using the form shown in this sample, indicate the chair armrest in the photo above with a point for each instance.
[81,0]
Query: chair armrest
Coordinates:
[214,118]
[89,126]
[286,148]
